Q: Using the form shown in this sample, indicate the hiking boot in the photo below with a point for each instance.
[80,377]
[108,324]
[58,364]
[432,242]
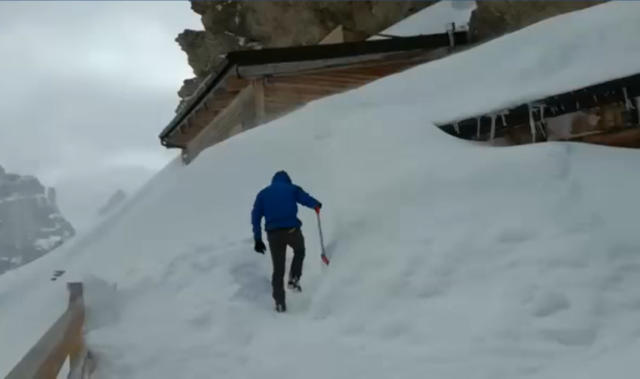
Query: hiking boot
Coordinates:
[281,307]
[294,285]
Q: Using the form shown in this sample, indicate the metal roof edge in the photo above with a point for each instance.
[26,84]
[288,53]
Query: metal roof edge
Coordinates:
[308,53]
[209,84]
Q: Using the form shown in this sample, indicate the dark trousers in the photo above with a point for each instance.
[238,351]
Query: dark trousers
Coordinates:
[279,239]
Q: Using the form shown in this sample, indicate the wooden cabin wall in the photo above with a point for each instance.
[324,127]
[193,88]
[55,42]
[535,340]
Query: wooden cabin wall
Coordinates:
[585,126]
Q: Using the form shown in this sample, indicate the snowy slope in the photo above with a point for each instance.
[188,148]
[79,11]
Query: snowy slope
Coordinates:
[449,259]
[434,19]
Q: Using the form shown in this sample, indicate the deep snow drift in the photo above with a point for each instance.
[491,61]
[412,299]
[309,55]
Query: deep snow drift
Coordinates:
[450,259]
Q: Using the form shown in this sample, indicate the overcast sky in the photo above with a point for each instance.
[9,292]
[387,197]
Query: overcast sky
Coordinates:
[86,88]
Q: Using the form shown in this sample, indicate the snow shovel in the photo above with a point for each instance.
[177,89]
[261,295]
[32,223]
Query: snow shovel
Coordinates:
[323,255]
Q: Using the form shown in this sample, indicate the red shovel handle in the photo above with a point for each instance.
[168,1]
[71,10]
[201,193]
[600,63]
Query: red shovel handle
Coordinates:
[323,256]
[325,260]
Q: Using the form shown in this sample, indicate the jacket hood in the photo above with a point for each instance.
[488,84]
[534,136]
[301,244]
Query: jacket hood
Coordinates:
[281,177]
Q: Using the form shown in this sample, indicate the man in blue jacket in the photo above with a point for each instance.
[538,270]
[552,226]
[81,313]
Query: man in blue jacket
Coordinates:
[278,204]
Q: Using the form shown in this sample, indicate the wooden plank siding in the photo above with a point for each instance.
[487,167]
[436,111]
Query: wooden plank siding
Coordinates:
[619,138]
[273,96]
[617,91]
[241,109]
[259,86]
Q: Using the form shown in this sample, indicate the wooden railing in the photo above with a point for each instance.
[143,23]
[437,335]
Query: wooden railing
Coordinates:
[63,340]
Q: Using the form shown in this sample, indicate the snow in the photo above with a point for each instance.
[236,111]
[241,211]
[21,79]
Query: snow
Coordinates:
[434,19]
[16,197]
[15,260]
[48,243]
[449,259]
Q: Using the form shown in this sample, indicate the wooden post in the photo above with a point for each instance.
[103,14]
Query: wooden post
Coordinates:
[240,110]
[77,349]
[76,292]
[451,33]
[258,93]
[335,36]
[63,339]
[532,124]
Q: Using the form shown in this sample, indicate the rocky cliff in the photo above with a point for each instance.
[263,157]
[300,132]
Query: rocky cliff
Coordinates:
[495,18]
[31,224]
[233,25]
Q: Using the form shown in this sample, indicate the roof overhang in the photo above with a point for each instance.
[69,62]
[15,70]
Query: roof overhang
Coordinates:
[497,122]
[290,77]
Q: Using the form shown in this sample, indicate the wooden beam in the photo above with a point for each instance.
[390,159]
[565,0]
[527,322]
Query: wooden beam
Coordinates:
[280,109]
[610,92]
[289,68]
[46,358]
[376,67]
[335,36]
[283,104]
[258,93]
[620,138]
[304,59]
[283,92]
[290,97]
[234,83]
[337,52]
[301,91]
[276,112]
[200,117]
[327,81]
[379,70]
[329,88]
[334,77]
[330,80]
[274,108]
[241,109]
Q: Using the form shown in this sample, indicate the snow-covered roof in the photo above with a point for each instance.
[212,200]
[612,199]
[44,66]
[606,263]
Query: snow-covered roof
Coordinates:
[434,19]
[286,78]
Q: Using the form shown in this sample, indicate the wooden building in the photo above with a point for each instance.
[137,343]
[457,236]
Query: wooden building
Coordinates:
[253,87]
[606,113]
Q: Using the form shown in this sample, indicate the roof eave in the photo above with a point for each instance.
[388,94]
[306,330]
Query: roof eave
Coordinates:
[235,59]
[210,83]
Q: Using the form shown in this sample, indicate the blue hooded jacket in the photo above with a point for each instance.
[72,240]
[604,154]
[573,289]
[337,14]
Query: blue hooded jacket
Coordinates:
[278,203]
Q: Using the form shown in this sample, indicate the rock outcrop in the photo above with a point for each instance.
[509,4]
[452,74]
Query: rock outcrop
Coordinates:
[494,18]
[31,224]
[233,25]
